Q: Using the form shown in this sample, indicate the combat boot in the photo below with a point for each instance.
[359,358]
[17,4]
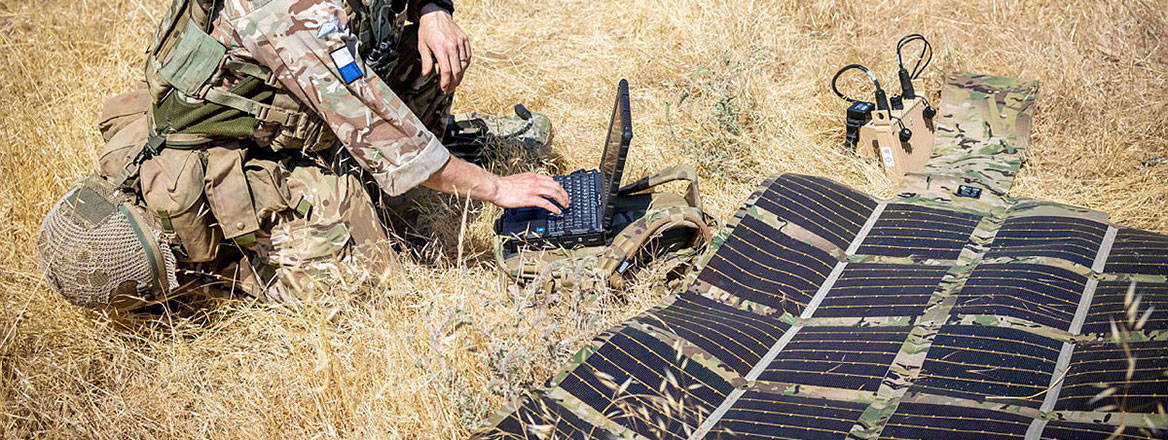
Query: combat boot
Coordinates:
[482,138]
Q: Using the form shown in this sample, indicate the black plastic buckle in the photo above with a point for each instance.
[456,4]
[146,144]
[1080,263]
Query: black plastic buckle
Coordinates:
[972,192]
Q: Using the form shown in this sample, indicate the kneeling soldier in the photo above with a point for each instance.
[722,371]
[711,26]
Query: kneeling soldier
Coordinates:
[238,154]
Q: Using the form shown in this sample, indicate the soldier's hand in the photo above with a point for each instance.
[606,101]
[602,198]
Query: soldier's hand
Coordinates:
[529,189]
[442,41]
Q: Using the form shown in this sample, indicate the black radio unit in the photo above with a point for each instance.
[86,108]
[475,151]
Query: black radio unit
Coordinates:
[859,113]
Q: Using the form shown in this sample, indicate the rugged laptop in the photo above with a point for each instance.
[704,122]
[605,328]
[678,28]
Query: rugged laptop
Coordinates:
[588,220]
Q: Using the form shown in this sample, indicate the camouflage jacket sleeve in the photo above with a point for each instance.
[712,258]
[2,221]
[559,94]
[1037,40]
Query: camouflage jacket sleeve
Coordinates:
[417,5]
[302,41]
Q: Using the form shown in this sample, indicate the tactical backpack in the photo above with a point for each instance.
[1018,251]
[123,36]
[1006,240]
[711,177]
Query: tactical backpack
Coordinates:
[647,226]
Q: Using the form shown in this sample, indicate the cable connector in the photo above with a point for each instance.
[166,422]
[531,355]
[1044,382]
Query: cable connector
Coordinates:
[906,85]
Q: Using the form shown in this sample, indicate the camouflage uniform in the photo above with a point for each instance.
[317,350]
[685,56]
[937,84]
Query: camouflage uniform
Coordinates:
[308,201]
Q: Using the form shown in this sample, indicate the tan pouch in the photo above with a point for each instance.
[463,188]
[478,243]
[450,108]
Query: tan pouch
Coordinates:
[229,194]
[120,149]
[119,111]
[172,184]
[266,180]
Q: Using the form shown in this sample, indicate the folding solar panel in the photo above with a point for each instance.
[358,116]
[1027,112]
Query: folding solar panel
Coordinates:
[828,209]
[737,337]
[543,417]
[905,230]
[1124,303]
[759,264]
[645,385]
[854,358]
[989,363]
[1073,239]
[865,289]
[821,312]
[1059,430]
[930,421]
[1139,252]
[1040,294]
[765,416]
[1098,377]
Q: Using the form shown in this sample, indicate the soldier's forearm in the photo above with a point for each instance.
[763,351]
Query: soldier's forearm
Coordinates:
[464,179]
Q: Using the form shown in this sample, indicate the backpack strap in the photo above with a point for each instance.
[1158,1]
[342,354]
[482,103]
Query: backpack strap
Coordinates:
[629,244]
[684,172]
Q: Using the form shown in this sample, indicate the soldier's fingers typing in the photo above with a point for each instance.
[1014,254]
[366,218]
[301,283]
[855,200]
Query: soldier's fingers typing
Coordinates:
[555,191]
[545,204]
[562,195]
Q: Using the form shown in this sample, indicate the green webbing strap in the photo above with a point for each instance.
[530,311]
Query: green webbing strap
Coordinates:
[168,229]
[303,207]
[245,239]
[130,171]
[150,247]
[164,221]
[225,98]
[263,112]
[251,69]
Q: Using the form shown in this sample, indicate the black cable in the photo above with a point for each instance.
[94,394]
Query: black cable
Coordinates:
[881,97]
[906,78]
[925,57]
[846,68]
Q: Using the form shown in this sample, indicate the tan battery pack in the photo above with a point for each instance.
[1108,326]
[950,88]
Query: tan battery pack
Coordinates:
[880,138]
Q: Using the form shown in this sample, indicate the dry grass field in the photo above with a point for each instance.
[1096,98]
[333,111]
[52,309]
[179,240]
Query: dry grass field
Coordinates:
[431,348]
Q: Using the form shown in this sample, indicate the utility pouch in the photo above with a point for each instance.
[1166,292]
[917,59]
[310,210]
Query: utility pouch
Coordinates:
[229,194]
[200,197]
[647,226]
[121,110]
[125,128]
[267,183]
[172,186]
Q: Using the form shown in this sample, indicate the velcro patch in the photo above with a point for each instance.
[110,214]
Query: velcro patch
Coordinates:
[346,64]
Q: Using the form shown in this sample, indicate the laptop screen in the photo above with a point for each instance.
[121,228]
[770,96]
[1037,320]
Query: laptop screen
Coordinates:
[616,147]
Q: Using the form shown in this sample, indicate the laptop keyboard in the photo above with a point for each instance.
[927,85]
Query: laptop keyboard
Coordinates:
[580,216]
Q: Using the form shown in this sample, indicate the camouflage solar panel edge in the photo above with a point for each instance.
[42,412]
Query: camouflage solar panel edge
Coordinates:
[821,312]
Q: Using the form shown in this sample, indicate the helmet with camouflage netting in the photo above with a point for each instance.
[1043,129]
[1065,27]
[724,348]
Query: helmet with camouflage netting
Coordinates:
[98,250]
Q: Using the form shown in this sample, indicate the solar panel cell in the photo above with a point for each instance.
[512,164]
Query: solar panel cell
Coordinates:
[918,232]
[1073,239]
[759,415]
[828,209]
[545,418]
[854,358]
[1040,294]
[1138,251]
[864,290]
[1099,367]
[737,337]
[929,421]
[1058,430]
[664,394]
[1111,304]
[760,264]
[976,362]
